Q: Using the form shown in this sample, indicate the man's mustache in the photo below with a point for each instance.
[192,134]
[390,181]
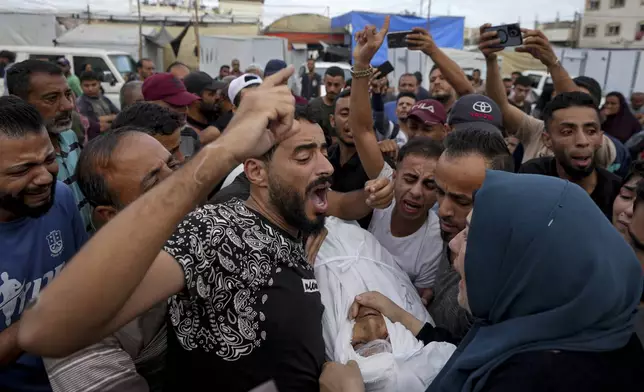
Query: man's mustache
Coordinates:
[320,181]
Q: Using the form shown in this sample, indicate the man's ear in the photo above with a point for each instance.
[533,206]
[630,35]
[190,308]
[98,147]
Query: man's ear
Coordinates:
[256,172]
[332,120]
[547,140]
[103,214]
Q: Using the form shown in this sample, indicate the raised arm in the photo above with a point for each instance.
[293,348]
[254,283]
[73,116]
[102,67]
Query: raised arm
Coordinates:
[96,287]
[536,44]
[356,205]
[422,40]
[368,41]
[512,116]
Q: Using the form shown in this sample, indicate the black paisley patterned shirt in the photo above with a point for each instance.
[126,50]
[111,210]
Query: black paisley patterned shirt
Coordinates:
[251,310]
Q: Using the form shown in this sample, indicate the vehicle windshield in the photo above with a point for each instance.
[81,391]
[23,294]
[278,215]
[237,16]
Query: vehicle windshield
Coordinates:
[124,64]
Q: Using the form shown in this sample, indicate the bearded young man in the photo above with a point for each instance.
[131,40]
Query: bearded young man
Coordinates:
[573,133]
[243,302]
[40,230]
[43,85]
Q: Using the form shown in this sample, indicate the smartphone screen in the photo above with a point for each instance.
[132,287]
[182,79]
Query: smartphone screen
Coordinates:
[385,69]
[397,39]
[510,35]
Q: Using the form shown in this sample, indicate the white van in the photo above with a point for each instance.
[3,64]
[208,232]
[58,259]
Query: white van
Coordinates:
[114,66]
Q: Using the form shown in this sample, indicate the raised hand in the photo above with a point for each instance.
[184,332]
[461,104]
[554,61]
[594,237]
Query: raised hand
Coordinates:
[389,147]
[368,41]
[377,301]
[264,118]
[489,42]
[421,40]
[537,44]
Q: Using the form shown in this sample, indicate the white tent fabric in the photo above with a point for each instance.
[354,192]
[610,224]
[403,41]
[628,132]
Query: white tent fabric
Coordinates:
[351,261]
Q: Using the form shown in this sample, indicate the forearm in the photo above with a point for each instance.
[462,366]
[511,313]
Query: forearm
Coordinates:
[561,79]
[361,123]
[349,206]
[451,71]
[9,349]
[410,322]
[512,117]
[98,281]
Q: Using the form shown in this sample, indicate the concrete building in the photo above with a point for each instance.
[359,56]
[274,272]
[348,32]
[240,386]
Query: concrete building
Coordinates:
[608,24]
[560,33]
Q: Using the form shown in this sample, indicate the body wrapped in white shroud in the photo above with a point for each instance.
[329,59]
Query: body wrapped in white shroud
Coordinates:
[350,262]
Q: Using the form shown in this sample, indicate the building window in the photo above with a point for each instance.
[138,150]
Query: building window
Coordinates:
[617,3]
[613,29]
[593,5]
[640,27]
[590,31]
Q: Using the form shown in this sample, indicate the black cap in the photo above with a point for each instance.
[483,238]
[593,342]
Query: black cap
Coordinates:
[476,110]
[197,82]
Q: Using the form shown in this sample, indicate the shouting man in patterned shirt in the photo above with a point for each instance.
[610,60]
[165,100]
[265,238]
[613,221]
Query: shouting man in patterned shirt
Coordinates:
[244,306]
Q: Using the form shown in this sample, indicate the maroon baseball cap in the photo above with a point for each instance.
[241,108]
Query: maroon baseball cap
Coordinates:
[429,111]
[165,87]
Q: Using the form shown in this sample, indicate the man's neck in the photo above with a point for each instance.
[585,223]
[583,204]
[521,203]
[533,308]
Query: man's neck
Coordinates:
[55,142]
[402,124]
[588,183]
[327,101]
[447,102]
[263,208]
[346,153]
[401,227]
[517,103]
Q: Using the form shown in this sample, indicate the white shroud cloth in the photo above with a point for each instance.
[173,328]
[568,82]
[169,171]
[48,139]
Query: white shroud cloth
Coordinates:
[350,262]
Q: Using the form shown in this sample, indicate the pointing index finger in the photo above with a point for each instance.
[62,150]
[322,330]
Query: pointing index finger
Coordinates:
[385,27]
[278,78]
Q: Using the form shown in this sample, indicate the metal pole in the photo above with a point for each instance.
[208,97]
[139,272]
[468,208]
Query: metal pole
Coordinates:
[196,27]
[138,7]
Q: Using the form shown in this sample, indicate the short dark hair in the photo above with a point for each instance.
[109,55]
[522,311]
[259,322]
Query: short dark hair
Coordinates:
[343,94]
[19,75]
[524,81]
[419,76]
[421,146]
[149,118]
[517,73]
[406,94]
[489,145]
[139,64]
[224,67]
[476,70]
[407,74]
[89,76]
[567,100]
[434,68]
[636,169]
[18,118]
[507,79]
[11,56]
[334,72]
[94,163]
[469,77]
[176,64]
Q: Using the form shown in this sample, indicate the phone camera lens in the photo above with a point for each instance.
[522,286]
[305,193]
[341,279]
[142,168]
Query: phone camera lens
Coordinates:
[513,32]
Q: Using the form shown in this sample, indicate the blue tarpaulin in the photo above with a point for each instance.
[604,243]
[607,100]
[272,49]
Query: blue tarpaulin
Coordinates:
[446,30]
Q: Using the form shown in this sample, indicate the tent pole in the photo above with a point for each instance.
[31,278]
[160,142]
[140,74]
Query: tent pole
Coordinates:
[196,27]
[138,7]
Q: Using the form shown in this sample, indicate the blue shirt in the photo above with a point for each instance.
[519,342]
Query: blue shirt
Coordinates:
[34,251]
[390,111]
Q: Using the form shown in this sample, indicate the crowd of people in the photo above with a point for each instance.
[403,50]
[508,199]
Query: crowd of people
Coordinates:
[229,234]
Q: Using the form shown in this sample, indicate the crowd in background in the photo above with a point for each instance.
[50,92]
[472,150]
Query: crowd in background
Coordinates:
[179,241]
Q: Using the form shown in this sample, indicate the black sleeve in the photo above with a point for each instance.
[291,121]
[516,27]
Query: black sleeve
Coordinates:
[239,188]
[430,334]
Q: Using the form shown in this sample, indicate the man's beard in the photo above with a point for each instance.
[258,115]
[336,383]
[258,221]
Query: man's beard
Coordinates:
[61,123]
[210,111]
[17,207]
[291,205]
[442,97]
[575,173]
[343,141]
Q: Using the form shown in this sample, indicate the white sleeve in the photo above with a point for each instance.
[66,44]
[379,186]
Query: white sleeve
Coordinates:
[430,256]
[386,172]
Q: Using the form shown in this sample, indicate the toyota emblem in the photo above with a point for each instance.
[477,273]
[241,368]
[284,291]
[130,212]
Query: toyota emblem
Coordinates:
[482,107]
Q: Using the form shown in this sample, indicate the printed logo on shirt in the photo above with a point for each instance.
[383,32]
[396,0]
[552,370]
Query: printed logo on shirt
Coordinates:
[310,285]
[13,290]
[55,241]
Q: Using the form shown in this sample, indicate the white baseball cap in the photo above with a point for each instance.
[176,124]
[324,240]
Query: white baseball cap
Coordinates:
[240,83]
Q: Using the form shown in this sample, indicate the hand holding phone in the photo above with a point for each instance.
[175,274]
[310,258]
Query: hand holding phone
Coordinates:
[509,35]
[385,69]
[398,39]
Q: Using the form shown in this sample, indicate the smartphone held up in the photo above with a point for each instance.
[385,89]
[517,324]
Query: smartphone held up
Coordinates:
[509,35]
[398,39]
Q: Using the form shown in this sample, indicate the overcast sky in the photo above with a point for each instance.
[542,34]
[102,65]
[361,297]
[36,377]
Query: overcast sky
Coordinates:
[476,12]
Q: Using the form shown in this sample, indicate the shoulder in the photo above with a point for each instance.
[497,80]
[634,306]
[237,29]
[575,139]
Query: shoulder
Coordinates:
[526,372]
[537,166]
[68,137]
[610,178]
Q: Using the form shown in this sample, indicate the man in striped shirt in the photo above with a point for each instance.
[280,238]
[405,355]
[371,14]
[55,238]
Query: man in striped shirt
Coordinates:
[114,170]
[43,85]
